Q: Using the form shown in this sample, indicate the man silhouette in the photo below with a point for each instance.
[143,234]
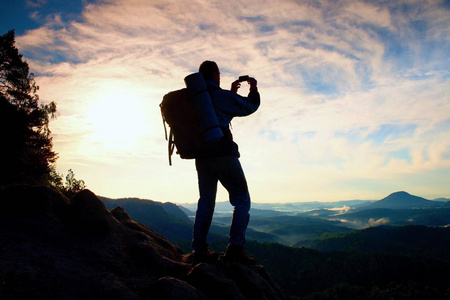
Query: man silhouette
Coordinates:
[221,164]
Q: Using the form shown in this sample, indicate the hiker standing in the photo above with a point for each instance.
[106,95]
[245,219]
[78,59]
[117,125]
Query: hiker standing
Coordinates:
[221,164]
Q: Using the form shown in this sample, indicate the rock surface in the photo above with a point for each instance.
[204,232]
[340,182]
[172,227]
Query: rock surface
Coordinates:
[55,248]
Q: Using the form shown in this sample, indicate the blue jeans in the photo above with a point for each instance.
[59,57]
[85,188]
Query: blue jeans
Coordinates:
[228,171]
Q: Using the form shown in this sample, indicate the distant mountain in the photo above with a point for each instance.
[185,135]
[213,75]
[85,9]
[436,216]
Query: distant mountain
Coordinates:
[322,213]
[165,218]
[289,230]
[284,208]
[397,209]
[290,223]
[296,207]
[188,212]
[262,213]
[401,200]
[221,206]
[144,204]
[439,216]
[442,199]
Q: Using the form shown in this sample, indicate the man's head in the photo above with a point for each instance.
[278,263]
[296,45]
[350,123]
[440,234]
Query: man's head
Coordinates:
[210,71]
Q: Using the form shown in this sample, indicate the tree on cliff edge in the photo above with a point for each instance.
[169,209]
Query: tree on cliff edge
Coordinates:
[26,154]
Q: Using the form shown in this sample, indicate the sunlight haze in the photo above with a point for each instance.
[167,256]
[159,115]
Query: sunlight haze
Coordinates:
[355,100]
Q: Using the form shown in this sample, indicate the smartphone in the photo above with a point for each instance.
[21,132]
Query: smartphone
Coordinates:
[243,78]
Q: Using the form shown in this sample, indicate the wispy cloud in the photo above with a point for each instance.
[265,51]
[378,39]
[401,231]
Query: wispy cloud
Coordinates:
[35,3]
[378,222]
[355,94]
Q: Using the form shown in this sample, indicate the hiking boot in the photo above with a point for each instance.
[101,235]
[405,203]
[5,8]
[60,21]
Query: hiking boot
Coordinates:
[209,257]
[237,254]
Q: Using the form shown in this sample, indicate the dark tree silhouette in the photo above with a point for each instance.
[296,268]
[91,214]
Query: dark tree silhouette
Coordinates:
[26,145]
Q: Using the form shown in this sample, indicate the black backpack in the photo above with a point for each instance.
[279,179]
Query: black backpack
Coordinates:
[178,111]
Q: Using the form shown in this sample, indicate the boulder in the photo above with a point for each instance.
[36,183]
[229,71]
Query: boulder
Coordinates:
[90,214]
[171,288]
[53,248]
[214,282]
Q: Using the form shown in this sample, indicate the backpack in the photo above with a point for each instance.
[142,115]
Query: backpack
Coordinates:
[179,113]
[191,118]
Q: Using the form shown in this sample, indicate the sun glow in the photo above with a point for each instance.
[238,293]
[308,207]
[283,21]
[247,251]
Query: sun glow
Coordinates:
[117,121]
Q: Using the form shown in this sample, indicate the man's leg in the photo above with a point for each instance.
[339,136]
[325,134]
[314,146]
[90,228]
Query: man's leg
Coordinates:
[233,179]
[207,183]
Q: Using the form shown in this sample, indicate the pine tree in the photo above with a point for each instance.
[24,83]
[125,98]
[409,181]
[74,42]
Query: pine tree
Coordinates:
[26,154]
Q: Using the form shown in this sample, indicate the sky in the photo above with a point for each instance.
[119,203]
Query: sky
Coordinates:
[355,94]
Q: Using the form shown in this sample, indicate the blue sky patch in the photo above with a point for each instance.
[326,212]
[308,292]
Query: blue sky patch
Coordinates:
[270,134]
[390,132]
[11,12]
[316,83]
[403,154]
[266,28]
[353,136]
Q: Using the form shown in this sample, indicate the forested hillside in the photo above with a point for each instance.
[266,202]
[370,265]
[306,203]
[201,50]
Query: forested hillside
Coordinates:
[384,262]
[420,241]
[312,274]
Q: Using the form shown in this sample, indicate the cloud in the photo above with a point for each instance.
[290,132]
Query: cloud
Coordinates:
[35,3]
[381,221]
[340,210]
[366,13]
[351,91]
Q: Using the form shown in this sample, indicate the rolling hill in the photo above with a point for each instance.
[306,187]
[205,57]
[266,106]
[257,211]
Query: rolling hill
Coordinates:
[165,218]
[401,200]
[404,240]
[289,227]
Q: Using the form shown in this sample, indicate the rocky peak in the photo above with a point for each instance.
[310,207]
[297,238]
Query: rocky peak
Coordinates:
[53,247]
[401,200]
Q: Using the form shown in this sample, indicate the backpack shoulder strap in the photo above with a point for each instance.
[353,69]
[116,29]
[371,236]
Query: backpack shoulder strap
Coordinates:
[164,122]
[171,145]
[169,138]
